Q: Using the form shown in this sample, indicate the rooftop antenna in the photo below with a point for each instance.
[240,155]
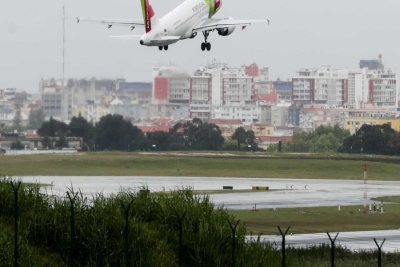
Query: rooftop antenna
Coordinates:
[63,63]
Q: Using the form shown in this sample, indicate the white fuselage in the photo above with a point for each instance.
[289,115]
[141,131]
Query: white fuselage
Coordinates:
[178,23]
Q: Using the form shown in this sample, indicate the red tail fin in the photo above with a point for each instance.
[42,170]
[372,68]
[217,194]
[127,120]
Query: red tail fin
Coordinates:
[148,13]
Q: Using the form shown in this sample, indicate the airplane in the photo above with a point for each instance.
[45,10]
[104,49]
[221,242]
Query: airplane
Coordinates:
[183,22]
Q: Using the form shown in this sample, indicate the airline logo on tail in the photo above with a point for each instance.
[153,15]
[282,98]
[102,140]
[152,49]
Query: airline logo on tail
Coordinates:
[214,6]
[148,13]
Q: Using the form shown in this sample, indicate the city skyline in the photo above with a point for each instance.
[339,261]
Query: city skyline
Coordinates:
[300,35]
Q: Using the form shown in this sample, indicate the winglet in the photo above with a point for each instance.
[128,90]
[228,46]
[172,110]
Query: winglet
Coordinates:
[77,20]
[268,21]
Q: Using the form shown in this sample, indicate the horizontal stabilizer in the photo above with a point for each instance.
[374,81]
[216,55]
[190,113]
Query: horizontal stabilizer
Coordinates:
[114,22]
[126,37]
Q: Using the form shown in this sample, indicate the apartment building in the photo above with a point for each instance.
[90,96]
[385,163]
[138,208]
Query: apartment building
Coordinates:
[246,114]
[171,85]
[200,97]
[218,91]
[353,124]
[54,102]
[324,85]
[279,114]
[283,89]
[312,117]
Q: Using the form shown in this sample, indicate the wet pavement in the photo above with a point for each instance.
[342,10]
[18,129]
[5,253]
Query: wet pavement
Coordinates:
[353,240]
[292,192]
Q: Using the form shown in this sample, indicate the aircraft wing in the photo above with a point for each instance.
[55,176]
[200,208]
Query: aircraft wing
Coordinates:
[118,22]
[211,24]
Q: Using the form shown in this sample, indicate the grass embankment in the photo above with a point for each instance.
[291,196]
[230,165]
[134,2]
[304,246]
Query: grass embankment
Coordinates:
[132,164]
[319,220]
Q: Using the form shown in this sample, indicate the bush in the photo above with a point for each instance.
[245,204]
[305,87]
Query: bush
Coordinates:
[17,145]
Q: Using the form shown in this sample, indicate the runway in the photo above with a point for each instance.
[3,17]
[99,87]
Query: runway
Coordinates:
[353,240]
[292,192]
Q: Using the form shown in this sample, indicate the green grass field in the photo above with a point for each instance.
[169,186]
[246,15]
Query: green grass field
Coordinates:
[241,165]
[393,199]
[320,219]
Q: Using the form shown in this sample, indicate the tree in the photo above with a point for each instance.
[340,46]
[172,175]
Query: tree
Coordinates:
[112,132]
[209,137]
[316,141]
[53,128]
[36,118]
[80,127]
[17,145]
[3,127]
[62,142]
[197,135]
[240,136]
[372,139]
[326,143]
[17,121]
[229,145]
[47,142]
[245,137]
[159,138]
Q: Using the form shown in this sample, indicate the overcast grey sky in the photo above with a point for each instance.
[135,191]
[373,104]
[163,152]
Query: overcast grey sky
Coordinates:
[306,33]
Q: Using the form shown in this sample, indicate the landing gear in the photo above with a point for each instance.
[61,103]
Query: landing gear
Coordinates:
[165,47]
[206,45]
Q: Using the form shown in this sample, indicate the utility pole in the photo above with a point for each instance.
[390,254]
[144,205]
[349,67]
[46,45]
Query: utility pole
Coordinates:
[365,166]
[63,51]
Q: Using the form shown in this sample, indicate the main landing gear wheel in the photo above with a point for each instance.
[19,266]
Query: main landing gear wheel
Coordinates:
[206,45]
[165,47]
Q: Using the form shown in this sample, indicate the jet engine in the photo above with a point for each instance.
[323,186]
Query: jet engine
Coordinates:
[226,31]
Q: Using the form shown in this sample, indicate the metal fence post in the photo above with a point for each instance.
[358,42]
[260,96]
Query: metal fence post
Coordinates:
[332,248]
[233,228]
[72,252]
[379,252]
[15,188]
[126,209]
[283,245]
[180,224]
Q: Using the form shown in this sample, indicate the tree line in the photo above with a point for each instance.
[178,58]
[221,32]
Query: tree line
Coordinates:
[112,132]
[368,139]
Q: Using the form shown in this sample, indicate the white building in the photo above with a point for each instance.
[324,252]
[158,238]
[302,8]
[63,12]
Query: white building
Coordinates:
[171,85]
[378,86]
[320,86]
[246,114]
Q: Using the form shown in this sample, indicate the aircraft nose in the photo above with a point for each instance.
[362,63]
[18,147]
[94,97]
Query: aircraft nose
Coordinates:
[141,42]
